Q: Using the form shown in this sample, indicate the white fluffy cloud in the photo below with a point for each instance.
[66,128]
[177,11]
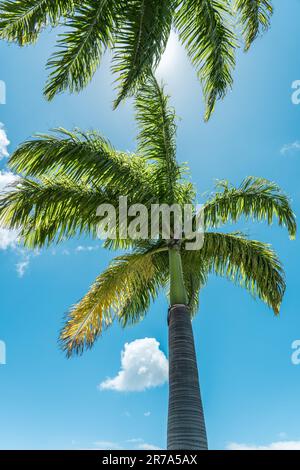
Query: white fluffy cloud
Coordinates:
[143,365]
[6,178]
[280,445]
[4,142]
[8,238]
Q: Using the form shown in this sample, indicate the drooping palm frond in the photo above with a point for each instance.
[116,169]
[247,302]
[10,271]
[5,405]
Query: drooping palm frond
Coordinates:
[157,136]
[55,209]
[257,198]
[89,33]
[251,264]
[140,42]
[82,156]
[52,210]
[255,18]
[23,20]
[136,307]
[118,291]
[205,31]
[195,277]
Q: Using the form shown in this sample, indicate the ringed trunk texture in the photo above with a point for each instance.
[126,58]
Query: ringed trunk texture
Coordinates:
[186,425]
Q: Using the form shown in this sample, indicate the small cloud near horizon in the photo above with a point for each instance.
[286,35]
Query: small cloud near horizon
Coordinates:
[146,446]
[137,444]
[280,445]
[135,440]
[107,445]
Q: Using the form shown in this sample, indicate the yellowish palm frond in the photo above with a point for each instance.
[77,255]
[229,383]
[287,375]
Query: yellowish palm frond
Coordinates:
[114,291]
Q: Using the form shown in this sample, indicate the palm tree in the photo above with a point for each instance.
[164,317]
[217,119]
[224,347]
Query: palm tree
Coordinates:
[65,176]
[137,32]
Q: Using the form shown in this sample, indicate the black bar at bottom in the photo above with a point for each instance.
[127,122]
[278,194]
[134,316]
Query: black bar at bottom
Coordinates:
[134,459]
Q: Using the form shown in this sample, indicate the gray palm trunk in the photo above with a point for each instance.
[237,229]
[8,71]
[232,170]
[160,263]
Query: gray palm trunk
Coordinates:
[186,424]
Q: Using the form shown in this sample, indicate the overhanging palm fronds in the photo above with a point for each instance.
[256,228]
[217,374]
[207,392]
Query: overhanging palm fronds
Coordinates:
[140,42]
[89,33]
[136,32]
[255,17]
[21,21]
[206,31]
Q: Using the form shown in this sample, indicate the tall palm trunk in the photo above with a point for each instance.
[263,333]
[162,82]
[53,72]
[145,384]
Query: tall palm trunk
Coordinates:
[186,425]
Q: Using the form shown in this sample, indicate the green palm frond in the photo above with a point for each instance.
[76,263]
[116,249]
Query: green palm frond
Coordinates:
[257,198]
[90,32]
[251,264]
[205,29]
[118,293]
[52,210]
[22,20]
[140,42]
[157,135]
[195,277]
[136,307]
[83,157]
[138,244]
[255,17]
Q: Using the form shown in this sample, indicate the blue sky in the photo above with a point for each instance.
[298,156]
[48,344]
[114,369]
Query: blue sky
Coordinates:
[249,385]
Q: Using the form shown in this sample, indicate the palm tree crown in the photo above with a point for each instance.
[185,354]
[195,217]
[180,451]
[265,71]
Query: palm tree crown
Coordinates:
[137,32]
[65,176]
